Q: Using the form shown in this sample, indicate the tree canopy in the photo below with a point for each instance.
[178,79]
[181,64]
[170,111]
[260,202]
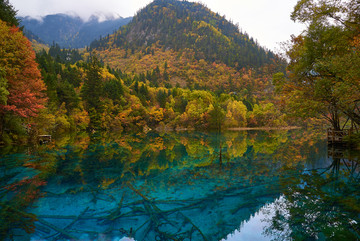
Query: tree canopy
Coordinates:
[324,75]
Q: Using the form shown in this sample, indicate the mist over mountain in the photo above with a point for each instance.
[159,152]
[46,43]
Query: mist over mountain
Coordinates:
[70,31]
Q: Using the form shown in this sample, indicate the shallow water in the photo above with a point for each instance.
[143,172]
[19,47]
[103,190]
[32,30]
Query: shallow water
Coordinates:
[245,185]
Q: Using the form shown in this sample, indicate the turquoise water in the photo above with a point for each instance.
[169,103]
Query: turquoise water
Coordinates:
[249,185]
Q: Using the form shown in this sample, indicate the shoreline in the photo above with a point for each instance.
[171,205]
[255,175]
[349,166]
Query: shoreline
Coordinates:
[263,128]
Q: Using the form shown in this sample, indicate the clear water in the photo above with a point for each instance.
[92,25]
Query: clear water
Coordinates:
[255,185]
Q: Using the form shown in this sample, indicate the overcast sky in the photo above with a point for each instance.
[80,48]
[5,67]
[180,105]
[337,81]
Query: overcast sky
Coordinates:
[267,21]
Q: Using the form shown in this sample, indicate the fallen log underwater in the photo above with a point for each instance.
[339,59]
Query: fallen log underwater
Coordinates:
[171,222]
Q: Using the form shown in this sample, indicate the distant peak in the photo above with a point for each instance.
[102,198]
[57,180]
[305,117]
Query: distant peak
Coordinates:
[41,19]
[95,17]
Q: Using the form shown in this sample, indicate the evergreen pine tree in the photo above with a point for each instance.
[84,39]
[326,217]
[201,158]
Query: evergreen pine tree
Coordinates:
[8,13]
[92,89]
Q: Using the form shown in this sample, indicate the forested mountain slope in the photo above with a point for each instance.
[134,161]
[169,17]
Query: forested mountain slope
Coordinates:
[182,25]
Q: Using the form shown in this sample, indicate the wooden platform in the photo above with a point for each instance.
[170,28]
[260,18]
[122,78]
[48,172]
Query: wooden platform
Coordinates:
[337,137]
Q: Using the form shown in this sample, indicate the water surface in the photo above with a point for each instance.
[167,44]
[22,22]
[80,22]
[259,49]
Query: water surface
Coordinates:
[245,185]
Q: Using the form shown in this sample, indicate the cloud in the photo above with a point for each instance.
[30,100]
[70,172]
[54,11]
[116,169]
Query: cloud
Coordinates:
[83,8]
[267,21]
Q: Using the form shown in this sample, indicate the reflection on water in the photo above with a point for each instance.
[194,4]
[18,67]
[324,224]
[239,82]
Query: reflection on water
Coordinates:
[252,229]
[180,186]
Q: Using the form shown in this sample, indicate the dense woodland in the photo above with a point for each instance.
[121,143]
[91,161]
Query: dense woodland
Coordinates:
[177,65]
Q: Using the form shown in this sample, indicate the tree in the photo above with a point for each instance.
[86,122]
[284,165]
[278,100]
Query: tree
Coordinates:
[236,114]
[166,75]
[321,60]
[92,88]
[3,88]
[217,116]
[67,94]
[21,78]
[114,89]
[161,97]
[92,91]
[8,13]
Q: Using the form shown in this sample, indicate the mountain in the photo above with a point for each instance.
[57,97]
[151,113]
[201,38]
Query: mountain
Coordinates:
[180,25]
[70,31]
[179,43]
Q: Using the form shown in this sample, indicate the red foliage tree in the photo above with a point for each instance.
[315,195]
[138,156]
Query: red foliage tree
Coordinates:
[24,83]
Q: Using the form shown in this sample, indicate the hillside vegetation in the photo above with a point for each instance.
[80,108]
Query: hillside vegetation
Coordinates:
[178,65]
[180,25]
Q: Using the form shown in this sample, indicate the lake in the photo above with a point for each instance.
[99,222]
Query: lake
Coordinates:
[238,185]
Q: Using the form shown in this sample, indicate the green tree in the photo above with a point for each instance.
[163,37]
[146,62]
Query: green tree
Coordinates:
[72,75]
[93,86]
[8,13]
[67,94]
[92,91]
[319,82]
[161,98]
[113,89]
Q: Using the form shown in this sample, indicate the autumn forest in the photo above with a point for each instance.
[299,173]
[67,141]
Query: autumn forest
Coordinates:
[179,66]
[176,124]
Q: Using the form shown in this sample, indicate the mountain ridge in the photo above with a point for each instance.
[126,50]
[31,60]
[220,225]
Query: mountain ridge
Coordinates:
[71,31]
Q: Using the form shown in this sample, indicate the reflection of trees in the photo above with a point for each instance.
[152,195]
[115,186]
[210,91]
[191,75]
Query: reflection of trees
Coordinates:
[223,197]
[320,204]
[19,188]
[160,186]
[268,142]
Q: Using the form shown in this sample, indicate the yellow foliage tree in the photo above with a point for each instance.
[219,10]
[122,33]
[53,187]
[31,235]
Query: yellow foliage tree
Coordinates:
[236,114]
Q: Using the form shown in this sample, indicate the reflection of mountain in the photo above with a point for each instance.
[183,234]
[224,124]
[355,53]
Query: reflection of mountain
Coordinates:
[167,187]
